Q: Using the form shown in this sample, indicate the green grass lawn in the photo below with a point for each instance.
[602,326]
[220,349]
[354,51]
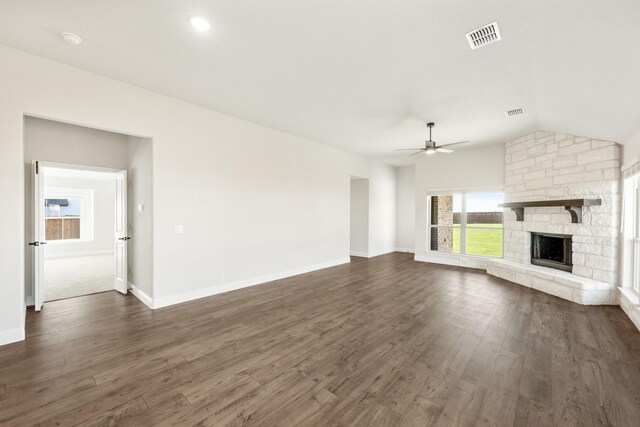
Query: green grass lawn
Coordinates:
[480,241]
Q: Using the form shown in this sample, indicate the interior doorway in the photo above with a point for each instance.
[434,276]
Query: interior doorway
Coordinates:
[80,222]
[359,217]
[80,246]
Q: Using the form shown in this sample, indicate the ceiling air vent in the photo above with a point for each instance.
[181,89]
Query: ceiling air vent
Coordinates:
[514,112]
[484,35]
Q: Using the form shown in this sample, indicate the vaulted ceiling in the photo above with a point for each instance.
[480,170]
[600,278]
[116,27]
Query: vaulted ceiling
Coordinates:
[362,75]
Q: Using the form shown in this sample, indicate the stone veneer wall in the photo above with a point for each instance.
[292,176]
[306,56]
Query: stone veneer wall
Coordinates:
[548,165]
[442,209]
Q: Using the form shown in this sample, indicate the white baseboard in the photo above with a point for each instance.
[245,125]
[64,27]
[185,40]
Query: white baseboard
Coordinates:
[382,252]
[226,287]
[408,250]
[469,261]
[360,254]
[141,295]
[372,254]
[79,254]
[11,336]
[630,304]
[24,317]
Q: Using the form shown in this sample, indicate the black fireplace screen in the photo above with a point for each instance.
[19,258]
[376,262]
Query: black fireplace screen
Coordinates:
[551,250]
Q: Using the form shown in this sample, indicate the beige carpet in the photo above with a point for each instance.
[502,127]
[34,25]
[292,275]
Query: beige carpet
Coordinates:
[72,277]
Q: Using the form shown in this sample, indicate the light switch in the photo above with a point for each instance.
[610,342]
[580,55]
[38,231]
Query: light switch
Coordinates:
[140,207]
[178,229]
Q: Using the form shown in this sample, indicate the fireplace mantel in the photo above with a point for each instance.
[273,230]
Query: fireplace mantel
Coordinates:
[574,206]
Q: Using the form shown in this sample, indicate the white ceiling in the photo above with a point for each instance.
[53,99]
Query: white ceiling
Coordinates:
[362,75]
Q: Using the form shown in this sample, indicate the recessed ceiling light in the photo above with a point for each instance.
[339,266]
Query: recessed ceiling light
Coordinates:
[71,38]
[199,23]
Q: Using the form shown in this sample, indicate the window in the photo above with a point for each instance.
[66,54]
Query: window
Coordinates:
[466,224]
[62,218]
[636,236]
[631,230]
[68,214]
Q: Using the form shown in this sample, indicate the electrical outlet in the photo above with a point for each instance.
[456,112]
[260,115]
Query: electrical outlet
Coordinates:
[178,229]
[223,278]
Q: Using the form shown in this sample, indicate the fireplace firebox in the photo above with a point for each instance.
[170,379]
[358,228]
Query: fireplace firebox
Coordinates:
[552,250]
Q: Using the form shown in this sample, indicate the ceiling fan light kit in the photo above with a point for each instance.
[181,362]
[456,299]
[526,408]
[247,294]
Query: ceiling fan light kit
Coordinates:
[430,146]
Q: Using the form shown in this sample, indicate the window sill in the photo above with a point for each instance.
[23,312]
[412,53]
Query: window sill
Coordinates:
[630,304]
[631,295]
[459,260]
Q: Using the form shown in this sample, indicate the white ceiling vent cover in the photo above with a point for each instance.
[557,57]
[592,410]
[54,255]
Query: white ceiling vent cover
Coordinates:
[484,35]
[514,112]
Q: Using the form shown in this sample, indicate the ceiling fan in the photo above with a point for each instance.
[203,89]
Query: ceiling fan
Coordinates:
[431,147]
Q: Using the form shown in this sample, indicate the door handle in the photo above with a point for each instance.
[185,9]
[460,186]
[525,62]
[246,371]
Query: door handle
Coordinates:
[36,243]
[124,238]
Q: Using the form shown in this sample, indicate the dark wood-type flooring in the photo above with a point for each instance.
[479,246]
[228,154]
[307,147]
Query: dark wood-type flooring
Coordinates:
[384,341]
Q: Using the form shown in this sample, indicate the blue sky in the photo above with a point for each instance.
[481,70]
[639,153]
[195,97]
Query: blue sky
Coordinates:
[74,209]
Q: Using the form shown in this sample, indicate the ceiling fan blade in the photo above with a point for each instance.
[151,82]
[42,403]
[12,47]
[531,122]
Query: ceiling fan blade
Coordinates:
[443,150]
[455,143]
[421,151]
[409,149]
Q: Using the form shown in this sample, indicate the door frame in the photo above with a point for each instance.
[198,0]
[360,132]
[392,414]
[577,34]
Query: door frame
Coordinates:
[78,167]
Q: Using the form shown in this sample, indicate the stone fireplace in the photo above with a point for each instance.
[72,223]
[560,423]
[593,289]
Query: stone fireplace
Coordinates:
[546,166]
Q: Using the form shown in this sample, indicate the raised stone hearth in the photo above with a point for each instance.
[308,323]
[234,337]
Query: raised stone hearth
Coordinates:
[552,166]
[559,283]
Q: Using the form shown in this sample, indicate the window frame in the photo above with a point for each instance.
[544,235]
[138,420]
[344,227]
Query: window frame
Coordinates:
[635,256]
[630,236]
[463,226]
[86,214]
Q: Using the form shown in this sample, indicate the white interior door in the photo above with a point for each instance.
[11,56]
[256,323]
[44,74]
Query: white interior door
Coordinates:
[38,236]
[121,237]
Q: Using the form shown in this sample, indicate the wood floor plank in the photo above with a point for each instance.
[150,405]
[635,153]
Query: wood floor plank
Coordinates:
[463,406]
[380,341]
[164,413]
[445,371]
[422,412]
[569,399]
[530,413]
[113,416]
[536,381]
[370,414]
[498,407]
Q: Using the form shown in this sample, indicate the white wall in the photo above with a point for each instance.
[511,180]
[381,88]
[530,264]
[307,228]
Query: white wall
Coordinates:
[359,212]
[140,192]
[254,202]
[52,141]
[382,203]
[104,195]
[469,168]
[405,208]
[631,148]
